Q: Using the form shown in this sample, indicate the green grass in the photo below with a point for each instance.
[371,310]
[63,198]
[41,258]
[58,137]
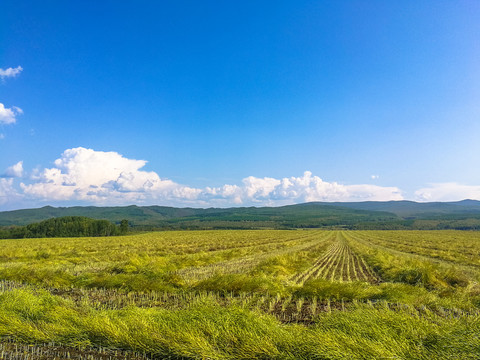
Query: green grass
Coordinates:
[235,295]
[205,330]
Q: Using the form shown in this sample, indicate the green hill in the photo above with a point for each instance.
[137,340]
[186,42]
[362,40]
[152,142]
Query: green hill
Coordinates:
[302,215]
[412,209]
[361,215]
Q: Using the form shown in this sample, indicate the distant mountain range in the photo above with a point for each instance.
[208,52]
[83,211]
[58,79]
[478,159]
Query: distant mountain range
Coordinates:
[415,209]
[370,214]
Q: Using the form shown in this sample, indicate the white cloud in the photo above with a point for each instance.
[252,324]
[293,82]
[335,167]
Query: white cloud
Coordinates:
[269,191]
[448,192]
[374,177]
[256,188]
[8,115]
[7,191]
[2,136]
[15,170]
[108,178]
[100,177]
[10,72]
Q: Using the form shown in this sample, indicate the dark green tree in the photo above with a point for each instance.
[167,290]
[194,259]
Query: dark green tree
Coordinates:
[62,227]
[123,226]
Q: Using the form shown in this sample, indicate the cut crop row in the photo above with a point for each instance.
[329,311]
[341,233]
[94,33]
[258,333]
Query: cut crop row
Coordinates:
[340,263]
[243,264]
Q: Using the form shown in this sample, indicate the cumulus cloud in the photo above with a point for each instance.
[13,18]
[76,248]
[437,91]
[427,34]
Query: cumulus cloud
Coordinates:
[15,170]
[10,72]
[9,115]
[448,192]
[7,191]
[100,177]
[306,188]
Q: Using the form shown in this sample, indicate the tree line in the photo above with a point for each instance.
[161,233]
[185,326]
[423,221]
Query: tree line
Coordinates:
[67,226]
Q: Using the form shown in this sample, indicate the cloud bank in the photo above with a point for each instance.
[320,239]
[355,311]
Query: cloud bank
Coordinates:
[306,188]
[100,177]
[87,176]
[448,192]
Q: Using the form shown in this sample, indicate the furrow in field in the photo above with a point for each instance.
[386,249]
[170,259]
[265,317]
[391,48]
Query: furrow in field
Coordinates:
[365,271]
[436,246]
[299,278]
[325,265]
[317,267]
[339,263]
[243,264]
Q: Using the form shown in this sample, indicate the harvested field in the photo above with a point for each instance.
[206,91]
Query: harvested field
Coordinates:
[241,294]
[339,263]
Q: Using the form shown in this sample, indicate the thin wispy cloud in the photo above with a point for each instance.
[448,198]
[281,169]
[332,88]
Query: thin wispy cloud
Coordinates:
[10,72]
[450,191]
[9,115]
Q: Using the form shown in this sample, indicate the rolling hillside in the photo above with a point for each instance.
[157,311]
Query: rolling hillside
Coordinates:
[412,209]
[378,215]
[302,215]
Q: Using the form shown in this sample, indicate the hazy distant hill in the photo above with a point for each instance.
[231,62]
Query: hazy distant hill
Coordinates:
[302,215]
[381,215]
[414,209]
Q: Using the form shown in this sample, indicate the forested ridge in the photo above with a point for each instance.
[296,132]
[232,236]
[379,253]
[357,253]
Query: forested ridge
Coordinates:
[66,226]
[390,215]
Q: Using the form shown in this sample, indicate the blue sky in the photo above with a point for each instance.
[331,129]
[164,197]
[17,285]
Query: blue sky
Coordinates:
[217,103]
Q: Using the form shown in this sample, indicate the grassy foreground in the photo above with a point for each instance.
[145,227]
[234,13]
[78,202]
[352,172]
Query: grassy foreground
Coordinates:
[244,295]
